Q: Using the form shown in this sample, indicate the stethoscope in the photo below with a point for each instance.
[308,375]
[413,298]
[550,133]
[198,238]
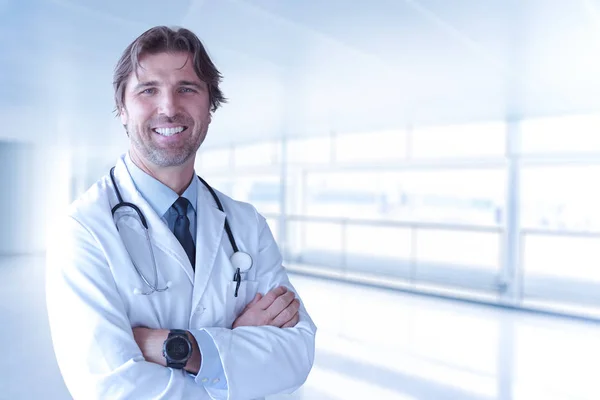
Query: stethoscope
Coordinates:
[240,260]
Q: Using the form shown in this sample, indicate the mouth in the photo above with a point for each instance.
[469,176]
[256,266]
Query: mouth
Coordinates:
[170,131]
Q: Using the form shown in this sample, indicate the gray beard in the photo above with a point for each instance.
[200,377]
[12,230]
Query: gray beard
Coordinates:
[164,157]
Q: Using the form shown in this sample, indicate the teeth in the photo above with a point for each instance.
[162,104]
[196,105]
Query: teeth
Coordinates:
[169,131]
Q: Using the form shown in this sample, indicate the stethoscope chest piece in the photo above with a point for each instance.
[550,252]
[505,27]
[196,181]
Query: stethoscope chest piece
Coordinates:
[241,261]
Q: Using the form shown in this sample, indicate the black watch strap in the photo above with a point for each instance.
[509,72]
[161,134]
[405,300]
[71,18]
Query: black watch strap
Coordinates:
[177,332]
[176,364]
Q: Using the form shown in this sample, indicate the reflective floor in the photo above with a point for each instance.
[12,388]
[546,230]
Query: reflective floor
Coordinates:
[372,344]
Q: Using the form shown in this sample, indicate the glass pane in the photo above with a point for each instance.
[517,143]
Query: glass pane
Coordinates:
[260,154]
[560,197]
[450,196]
[562,257]
[322,236]
[473,250]
[316,243]
[223,184]
[473,140]
[377,241]
[378,251]
[459,196]
[309,151]
[578,133]
[561,273]
[459,258]
[352,195]
[213,159]
[371,146]
[262,191]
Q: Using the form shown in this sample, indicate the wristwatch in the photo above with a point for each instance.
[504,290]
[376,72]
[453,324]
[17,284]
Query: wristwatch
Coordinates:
[177,349]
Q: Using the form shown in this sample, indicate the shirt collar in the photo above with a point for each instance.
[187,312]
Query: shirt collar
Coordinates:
[157,194]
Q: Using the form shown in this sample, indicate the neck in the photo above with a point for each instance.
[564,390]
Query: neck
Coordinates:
[177,178]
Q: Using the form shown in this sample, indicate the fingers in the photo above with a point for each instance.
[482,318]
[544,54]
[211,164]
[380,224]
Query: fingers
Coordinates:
[282,311]
[292,323]
[280,304]
[270,297]
[255,300]
[287,314]
[279,307]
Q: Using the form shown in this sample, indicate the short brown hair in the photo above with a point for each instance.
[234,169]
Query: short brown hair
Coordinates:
[164,39]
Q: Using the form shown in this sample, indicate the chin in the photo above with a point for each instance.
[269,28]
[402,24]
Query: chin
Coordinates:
[168,159]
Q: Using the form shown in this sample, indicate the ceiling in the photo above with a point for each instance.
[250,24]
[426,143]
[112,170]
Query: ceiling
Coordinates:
[306,68]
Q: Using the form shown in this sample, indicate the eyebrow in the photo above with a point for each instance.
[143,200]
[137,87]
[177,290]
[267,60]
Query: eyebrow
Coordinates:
[143,85]
[191,83]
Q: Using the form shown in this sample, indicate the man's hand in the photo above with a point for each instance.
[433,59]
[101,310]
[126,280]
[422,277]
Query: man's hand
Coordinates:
[150,342]
[277,308]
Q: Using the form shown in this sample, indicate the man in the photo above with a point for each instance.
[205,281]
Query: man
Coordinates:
[145,298]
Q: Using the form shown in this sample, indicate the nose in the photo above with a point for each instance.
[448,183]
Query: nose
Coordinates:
[167,104]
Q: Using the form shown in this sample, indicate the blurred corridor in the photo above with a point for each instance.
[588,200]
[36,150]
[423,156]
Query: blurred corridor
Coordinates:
[372,344]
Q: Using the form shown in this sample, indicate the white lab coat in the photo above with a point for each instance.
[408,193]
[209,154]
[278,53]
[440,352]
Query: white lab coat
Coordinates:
[92,306]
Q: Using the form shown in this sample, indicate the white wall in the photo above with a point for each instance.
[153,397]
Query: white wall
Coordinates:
[34,184]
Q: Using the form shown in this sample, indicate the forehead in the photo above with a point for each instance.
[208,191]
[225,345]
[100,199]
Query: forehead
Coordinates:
[165,67]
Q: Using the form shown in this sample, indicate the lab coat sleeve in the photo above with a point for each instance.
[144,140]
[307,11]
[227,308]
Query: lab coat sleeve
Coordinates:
[211,373]
[91,333]
[265,360]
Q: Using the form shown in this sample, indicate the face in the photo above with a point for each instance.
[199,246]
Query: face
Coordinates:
[166,110]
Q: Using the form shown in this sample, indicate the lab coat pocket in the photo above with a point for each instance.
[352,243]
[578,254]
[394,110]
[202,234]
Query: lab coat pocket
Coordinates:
[235,305]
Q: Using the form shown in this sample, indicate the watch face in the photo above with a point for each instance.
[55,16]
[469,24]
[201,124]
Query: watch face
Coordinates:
[177,348]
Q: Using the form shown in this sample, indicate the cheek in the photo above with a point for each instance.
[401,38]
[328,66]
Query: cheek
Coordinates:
[140,115]
[205,119]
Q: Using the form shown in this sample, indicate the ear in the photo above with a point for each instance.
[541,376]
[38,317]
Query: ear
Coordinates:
[123,115]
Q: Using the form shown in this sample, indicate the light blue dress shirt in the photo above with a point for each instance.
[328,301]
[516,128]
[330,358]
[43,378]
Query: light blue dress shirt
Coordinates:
[161,198]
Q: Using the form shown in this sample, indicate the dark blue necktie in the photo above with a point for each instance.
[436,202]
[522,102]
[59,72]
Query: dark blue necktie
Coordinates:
[182,229]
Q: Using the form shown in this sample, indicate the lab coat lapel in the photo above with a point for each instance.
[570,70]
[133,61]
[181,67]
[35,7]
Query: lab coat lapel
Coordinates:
[210,222]
[160,235]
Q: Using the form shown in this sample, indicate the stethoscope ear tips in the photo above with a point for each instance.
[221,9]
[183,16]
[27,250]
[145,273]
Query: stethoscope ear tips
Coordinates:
[137,291]
[169,283]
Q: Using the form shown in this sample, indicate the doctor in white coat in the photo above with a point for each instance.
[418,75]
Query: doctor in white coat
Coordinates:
[163,312]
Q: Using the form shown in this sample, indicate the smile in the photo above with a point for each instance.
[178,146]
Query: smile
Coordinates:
[170,131]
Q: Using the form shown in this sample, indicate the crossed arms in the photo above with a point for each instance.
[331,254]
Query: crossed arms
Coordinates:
[278,308]
[101,356]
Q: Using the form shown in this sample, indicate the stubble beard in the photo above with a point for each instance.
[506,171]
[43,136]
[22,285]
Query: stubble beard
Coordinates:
[166,156]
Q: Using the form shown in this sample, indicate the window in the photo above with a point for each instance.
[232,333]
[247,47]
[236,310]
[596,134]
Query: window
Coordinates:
[214,159]
[370,146]
[260,190]
[261,154]
[309,151]
[574,258]
[460,196]
[350,195]
[473,140]
[560,197]
[565,134]
[472,250]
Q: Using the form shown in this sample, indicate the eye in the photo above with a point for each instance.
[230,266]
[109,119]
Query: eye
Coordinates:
[187,90]
[148,91]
